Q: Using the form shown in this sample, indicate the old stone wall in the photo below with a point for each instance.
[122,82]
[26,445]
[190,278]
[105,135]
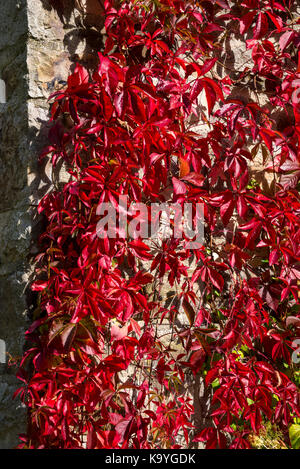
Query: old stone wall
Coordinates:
[34,60]
[15,224]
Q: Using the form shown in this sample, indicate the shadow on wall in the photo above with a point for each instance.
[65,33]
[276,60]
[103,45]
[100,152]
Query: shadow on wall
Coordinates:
[83,21]
[14,219]
[81,26]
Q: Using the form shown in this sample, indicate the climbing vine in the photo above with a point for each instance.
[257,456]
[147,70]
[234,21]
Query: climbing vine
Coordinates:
[100,370]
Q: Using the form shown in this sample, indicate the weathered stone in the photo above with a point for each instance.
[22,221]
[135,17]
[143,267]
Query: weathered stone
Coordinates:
[11,413]
[14,221]
[34,58]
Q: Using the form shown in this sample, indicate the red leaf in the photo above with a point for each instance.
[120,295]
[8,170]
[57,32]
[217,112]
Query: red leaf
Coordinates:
[226,211]
[179,186]
[246,21]
[216,279]
[207,66]
[194,178]
[261,27]
[118,333]
[286,39]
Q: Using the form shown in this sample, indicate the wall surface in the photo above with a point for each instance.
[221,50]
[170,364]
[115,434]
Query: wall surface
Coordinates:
[35,46]
[15,224]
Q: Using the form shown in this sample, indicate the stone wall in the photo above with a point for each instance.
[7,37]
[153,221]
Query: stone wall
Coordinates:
[35,46]
[15,224]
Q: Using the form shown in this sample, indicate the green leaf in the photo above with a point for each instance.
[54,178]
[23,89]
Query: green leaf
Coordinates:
[294,432]
[215,383]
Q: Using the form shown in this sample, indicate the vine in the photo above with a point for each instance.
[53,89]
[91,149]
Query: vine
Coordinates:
[101,371]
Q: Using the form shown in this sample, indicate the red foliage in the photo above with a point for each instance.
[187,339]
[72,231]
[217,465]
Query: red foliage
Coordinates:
[127,124]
